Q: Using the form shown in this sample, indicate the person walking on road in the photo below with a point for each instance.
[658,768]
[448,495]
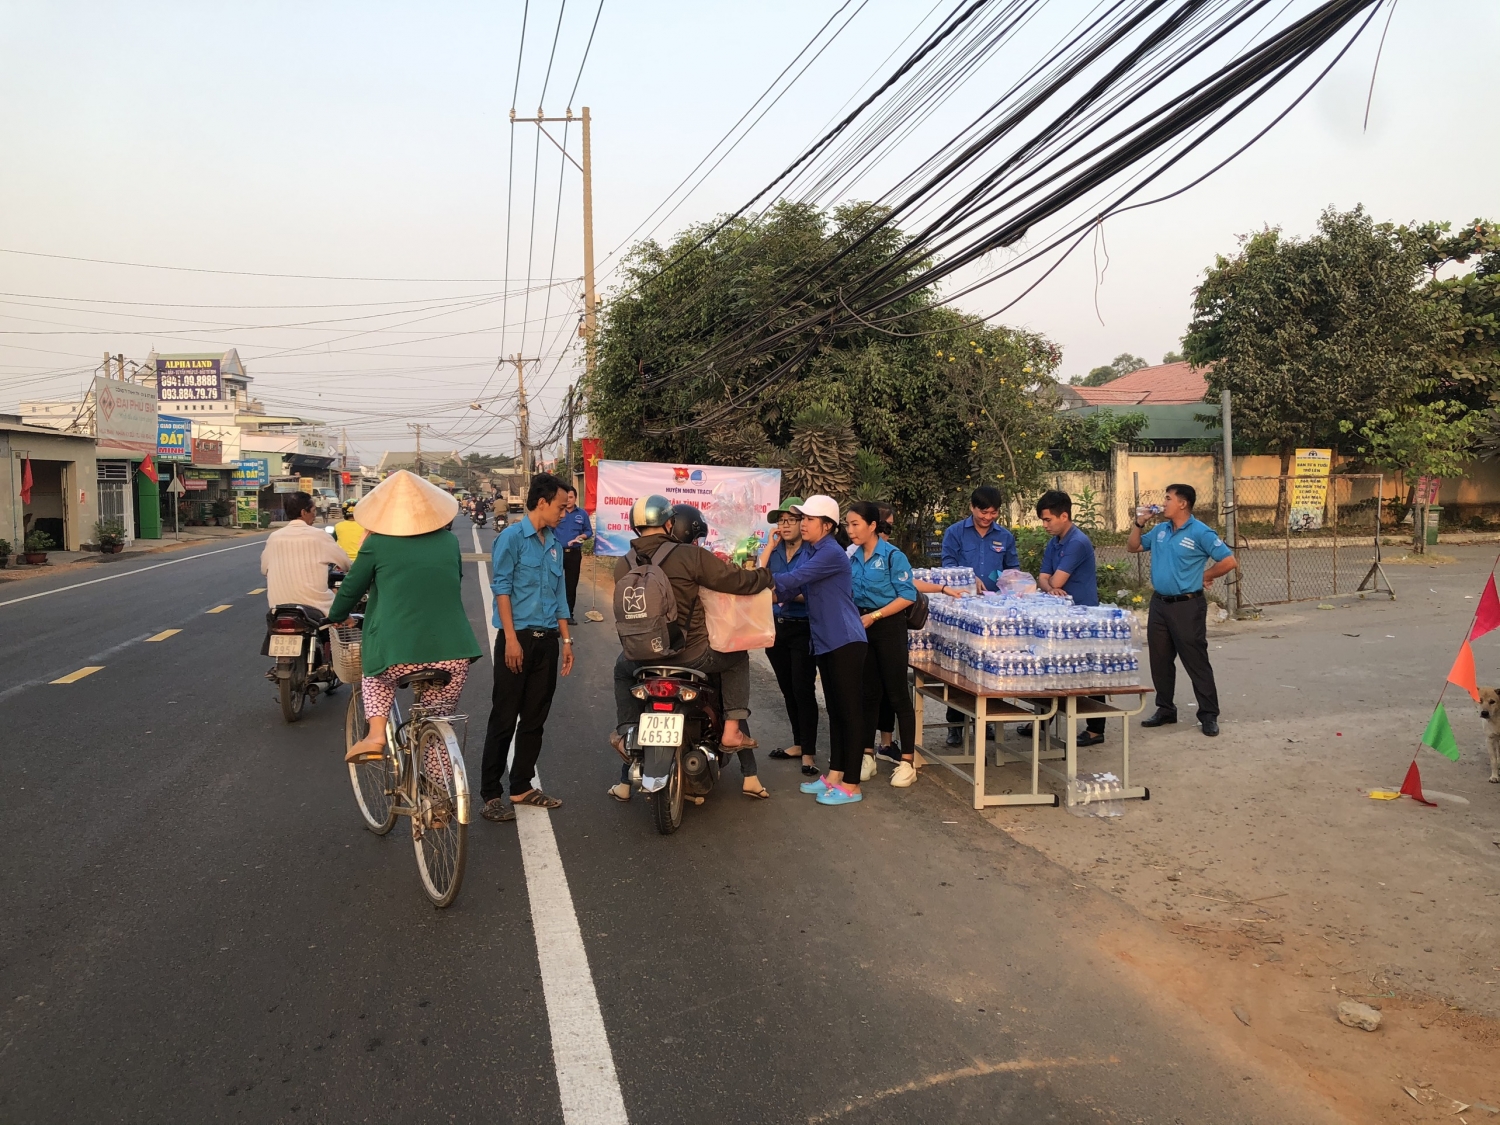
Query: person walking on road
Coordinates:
[531,611]
[838,645]
[1069,568]
[985,547]
[411,566]
[1181,546]
[791,656]
[571,532]
[881,582]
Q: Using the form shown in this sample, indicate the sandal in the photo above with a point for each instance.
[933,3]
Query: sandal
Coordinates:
[497,809]
[536,797]
[614,791]
[748,744]
[782,756]
[357,755]
[760,794]
[810,771]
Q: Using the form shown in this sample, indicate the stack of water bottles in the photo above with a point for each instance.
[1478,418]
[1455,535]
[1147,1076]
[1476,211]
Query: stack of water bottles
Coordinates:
[1038,642]
[958,577]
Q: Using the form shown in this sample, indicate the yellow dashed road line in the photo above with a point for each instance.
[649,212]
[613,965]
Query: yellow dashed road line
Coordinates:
[258,590]
[220,608]
[163,635]
[74,677]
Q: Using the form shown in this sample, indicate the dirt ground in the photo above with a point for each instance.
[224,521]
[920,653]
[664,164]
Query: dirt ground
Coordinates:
[1287,887]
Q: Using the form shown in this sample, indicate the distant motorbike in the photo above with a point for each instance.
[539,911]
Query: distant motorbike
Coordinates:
[675,747]
[294,636]
[479,519]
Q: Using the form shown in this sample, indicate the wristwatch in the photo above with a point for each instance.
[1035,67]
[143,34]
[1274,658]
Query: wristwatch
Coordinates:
[567,640]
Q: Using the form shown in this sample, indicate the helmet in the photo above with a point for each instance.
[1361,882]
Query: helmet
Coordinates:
[686,524]
[650,511]
[348,509]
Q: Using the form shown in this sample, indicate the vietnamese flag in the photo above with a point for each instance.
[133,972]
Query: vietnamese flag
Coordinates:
[26,481]
[148,469]
[593,450]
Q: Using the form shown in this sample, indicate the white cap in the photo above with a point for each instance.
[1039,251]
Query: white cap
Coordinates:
[825,506]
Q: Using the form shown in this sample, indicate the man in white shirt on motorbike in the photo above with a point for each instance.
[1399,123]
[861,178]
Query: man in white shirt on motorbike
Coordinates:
[296,558]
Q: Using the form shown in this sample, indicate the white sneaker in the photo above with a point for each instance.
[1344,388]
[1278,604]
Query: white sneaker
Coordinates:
[867,768]
[905,775]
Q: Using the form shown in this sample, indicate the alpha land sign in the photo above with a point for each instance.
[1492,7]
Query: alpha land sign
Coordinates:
[189,378]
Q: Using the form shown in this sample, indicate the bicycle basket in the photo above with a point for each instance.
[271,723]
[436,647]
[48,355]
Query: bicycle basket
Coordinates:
[346,645]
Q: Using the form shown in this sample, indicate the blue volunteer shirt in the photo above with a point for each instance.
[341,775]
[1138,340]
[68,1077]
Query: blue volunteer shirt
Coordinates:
[823,579]
[881,578]
[780,564]
[1179,556]
[527,565]
[574,528]
[986,555]
[1073,554]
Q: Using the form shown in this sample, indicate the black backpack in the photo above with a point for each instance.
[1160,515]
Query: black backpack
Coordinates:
[646,609]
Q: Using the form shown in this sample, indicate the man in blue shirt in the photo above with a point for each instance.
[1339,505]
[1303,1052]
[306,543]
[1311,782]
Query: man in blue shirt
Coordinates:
[1181,547]
[571,533]
[1068,568]
[526,576]
[979,542]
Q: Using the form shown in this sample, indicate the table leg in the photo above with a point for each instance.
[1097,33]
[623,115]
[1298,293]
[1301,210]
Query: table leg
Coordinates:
[1036,753]
[1125,754]
[1072,743]
[981,707]
[918,705]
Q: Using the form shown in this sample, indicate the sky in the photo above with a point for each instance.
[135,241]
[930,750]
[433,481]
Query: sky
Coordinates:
[336,144]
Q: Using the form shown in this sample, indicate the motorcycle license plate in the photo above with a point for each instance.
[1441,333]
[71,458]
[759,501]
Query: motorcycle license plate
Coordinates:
[660,730]
[286,645]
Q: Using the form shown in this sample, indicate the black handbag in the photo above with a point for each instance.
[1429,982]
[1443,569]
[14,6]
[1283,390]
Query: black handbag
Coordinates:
[916,613]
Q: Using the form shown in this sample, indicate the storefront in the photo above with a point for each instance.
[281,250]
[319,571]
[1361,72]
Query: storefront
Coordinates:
[60,500]
[125,425]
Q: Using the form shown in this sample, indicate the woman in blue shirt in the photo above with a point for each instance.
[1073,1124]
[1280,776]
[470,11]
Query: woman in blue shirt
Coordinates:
[838,644]
[883,589]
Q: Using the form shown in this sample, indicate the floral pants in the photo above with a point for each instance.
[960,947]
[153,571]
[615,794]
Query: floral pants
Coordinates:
[379,692]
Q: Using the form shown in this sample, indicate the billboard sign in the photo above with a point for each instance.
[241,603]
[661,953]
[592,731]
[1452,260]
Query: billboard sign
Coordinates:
[254,472]
[124,416]
[733,501]
[188,378]
[208,451]
[1309,489]
[174,438]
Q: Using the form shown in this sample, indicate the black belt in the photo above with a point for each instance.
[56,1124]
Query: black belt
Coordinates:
[1180,597]
[540,632]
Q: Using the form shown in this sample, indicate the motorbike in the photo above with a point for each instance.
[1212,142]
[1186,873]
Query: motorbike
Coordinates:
[674,747]
[294,636]
[480,517]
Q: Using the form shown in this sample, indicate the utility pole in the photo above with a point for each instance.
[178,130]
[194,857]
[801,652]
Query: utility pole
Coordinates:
[572,477]
[523,429]
[343,464]
[417,427]
[1231,516]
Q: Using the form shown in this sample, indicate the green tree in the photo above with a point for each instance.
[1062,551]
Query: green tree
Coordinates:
[1311,333]
[1174,357]
[1467,362]
[1122,364]
[1084,439]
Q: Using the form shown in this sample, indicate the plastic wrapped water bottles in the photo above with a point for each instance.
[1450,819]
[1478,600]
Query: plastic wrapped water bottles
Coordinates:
[954,577]
[1031,643]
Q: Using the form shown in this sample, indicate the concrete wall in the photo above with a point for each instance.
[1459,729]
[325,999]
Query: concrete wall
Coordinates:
[64,484]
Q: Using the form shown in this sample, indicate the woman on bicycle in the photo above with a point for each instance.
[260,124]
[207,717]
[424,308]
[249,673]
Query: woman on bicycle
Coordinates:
[410,565]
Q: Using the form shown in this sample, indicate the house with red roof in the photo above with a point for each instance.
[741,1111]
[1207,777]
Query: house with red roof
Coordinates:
[1166,384]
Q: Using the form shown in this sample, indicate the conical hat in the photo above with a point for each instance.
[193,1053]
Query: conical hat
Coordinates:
[405,504]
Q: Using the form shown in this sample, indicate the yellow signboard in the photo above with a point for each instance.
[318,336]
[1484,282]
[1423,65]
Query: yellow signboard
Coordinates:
[1309,489]
[306,485]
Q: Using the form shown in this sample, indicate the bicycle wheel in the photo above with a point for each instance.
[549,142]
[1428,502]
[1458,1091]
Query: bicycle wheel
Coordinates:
[374,782]
[440,827]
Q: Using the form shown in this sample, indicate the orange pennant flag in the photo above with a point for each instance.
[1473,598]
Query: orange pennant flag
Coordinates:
[1462,674]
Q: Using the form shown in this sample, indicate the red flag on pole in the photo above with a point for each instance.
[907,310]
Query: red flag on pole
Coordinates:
[593,450]
[26,481]
[1412,786]
[148,469]
[1487,617]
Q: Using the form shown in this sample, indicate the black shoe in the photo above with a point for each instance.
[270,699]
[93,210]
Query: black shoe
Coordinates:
[1210,727]
[1162,718]
[891,753]
[1089,738]
[811,771]
[954,737]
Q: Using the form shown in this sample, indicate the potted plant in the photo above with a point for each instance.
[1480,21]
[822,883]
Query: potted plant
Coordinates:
[4,553]
[37,544]
[223,510]
[110,535]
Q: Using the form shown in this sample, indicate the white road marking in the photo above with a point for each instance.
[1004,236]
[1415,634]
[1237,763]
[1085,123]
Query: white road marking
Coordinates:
[128,573]
[586,1081]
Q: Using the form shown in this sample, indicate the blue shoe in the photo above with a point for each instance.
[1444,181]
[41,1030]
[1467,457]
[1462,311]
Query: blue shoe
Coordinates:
[833,795]
[815,787]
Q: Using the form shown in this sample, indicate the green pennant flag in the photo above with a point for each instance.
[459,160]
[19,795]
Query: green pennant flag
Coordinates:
[1439,735]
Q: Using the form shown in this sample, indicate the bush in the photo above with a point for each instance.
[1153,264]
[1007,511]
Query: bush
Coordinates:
[38,542]
[109,533]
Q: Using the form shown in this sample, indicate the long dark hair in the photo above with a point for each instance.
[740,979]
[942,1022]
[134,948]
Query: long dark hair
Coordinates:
[870,512]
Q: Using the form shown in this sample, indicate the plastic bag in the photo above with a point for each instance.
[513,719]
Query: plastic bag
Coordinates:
[1016,582]
[738,622]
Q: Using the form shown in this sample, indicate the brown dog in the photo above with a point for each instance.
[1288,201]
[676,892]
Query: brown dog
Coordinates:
[1489,711]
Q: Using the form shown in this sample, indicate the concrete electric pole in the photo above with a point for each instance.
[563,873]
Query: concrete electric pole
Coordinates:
[416,427]
[523,412]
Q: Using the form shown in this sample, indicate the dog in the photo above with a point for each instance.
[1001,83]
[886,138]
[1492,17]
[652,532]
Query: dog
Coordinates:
[1489,711]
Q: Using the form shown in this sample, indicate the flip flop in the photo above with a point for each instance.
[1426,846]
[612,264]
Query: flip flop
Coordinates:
[364,755]
[536,797]
[760,794]
[748,744]
[613,792]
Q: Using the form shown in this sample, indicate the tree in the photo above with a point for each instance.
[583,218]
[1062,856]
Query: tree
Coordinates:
[1311,333]
[1174,357]
[1467,364]
[1423,439]
[1083,440]
[1122,364]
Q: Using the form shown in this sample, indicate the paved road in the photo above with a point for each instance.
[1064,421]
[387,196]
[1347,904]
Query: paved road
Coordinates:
[196,927]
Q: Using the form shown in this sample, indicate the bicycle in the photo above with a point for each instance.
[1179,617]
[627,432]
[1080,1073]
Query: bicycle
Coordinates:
[421,775]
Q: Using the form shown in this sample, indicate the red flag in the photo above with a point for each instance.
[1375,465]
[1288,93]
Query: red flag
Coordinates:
[1488,617]
[1412,786]
[1462,674]
[593,450]
[148,469]
[26,481]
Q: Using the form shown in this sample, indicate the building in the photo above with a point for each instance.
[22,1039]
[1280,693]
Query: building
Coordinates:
[63,499]
[1166,384]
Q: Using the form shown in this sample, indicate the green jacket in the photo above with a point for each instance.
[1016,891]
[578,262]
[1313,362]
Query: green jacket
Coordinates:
[416,613]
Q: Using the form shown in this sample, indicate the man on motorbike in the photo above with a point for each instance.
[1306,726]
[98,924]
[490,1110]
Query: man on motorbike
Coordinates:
[347,533]
[296,558]
[688,567]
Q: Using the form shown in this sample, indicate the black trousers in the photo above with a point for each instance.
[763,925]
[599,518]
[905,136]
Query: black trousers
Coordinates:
[885,681]
[1179,631]
[843,672]
[518,710]
[572,567]
[792,660]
